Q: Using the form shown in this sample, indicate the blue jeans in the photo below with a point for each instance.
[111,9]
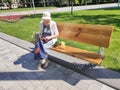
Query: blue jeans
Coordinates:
[41,49]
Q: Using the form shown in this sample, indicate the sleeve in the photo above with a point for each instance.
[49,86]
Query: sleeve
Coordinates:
[55,29]
[40,28]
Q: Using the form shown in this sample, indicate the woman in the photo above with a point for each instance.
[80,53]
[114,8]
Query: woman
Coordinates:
[47,38]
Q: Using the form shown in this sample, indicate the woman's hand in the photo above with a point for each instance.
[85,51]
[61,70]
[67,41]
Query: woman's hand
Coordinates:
[40,37]
[48,37]
[45,39]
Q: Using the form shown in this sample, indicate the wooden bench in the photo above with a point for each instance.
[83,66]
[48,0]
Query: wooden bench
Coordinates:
[98,35]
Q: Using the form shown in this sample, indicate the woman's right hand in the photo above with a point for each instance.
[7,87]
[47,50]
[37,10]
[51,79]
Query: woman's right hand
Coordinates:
[43,39]
[40,37]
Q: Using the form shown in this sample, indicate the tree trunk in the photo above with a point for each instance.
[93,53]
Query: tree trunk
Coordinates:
[71,7]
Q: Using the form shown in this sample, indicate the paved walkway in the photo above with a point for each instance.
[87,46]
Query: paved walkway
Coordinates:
[18,71]
[63,9]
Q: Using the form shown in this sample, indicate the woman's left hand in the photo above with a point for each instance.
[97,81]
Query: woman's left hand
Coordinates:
[48,37]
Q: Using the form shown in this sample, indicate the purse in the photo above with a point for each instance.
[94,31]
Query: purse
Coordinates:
[35,38]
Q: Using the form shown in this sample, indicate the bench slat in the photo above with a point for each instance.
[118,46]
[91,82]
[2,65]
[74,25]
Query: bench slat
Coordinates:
[98,35]
[79,53]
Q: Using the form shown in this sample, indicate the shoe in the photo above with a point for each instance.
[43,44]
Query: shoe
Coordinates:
[42,61]
[45,65]
[39,67]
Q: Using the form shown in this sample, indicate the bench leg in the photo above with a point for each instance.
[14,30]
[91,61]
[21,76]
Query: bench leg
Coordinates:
[101,51]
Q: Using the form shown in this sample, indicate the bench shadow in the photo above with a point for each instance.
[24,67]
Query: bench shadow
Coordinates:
[96,72]
[89,69]
[84,66]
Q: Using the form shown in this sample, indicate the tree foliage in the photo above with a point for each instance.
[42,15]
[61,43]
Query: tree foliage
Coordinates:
[0,1]
[10,3]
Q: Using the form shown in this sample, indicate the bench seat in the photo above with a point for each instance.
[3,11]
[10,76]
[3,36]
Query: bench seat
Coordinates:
[79,53]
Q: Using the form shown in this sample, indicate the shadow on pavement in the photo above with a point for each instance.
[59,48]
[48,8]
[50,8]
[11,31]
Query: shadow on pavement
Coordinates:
[27,61]
[53,72]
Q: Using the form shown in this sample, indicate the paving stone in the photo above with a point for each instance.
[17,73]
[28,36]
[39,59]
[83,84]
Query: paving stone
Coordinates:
[20,77]
[68,71]
[74,88]
[62,69]
[51,88]
[8,78]
[5,51]
[46,83]
[75,75]
[39,73]
[10,57]
[58,66]
[57,74]
[3,66]
[72,81]
[57,83]
[26,84]
[30,76]
[95,86]
[82,85]
[2,88]
[51,71]
[36,83]
[30,87]
[64,77]
[40,88]
[7,85]
[16,87]
[104,87]
[88,81]
[1,59]
[64,86]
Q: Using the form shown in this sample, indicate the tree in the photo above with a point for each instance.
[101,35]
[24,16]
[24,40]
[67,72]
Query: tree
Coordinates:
[44,3]
[10,3]
[118,3]
[0,1]
[23,3]
[71,7]
[76,1]
[1,4]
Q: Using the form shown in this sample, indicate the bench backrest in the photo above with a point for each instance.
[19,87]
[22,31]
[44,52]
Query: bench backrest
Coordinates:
[98,35]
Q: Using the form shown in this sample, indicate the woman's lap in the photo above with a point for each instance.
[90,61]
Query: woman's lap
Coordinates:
[44,49]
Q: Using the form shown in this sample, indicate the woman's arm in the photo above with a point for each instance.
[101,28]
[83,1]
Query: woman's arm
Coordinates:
[52,37]
[54,30]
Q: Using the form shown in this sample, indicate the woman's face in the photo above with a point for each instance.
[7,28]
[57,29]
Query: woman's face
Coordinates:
[46,22]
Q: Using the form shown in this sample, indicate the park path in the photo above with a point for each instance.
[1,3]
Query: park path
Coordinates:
[62,9]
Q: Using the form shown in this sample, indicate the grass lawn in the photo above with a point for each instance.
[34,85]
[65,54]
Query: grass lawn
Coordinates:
[25,28]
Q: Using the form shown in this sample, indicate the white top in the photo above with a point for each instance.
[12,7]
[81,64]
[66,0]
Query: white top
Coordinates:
[53,28]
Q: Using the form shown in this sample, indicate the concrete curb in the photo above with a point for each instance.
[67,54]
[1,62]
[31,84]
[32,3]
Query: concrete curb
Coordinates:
[101,74]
